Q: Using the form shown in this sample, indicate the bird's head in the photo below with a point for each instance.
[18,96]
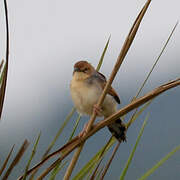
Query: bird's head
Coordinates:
[83,67]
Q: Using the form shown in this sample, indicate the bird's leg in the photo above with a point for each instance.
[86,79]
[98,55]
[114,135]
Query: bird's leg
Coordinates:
[97,110]
[84,131]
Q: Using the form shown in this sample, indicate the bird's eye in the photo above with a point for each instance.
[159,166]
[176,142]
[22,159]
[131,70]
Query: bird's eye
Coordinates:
[86,69]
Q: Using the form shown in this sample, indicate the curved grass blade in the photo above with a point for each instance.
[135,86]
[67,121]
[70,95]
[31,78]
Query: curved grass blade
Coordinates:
[32,155]
[134,149]
[161,162]
[4,79]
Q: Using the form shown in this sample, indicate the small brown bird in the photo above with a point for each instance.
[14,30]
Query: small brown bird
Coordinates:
[86,87]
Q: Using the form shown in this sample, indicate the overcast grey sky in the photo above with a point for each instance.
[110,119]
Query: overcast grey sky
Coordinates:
[48,36]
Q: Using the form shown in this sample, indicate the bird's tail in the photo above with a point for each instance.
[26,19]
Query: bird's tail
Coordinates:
[118,130]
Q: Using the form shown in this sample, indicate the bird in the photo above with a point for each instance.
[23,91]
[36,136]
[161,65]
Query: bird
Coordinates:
[86,86]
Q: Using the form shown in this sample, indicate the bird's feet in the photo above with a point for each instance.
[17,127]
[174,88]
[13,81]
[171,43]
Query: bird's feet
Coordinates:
[97,110]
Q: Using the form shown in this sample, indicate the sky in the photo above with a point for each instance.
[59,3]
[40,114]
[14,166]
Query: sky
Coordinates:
[48,37]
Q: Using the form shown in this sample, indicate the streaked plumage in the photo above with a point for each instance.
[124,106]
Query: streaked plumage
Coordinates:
[86,87]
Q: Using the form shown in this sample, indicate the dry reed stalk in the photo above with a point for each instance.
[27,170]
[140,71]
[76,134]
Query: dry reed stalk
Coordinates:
[120,59]
[75,142]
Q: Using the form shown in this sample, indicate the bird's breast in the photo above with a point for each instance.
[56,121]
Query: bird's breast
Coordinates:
[84,96]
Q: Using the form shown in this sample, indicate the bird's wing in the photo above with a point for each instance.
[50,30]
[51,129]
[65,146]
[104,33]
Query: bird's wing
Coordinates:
[111,91]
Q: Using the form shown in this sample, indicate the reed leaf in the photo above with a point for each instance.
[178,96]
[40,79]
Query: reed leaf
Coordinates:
[160,163]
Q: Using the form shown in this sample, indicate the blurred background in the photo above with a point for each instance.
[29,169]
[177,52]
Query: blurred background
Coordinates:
[48,36]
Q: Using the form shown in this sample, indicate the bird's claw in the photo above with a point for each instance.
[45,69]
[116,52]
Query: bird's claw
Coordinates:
[97,109]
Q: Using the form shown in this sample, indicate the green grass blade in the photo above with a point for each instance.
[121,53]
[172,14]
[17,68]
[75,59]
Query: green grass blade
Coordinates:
[134,149]
[161,162]
[32,155]
[60,131]
[75,127]
[56,170]
[84,171]
[103,54]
